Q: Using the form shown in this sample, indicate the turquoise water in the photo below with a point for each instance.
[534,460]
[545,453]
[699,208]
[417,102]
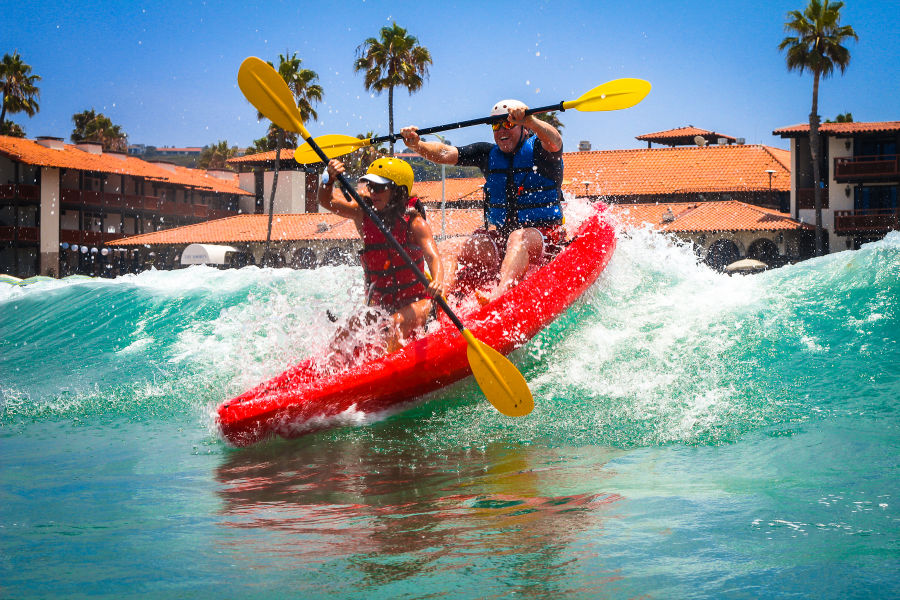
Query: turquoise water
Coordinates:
[695,436]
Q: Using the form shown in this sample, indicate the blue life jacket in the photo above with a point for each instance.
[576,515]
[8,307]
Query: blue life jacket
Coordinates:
[515,195]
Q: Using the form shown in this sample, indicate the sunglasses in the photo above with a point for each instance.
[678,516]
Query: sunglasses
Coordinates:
[376,188]
[502,124]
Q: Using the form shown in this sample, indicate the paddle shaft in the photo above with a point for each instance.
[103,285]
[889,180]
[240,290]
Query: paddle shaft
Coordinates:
[469,123]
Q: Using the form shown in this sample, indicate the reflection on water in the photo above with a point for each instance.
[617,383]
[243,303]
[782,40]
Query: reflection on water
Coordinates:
[395,510]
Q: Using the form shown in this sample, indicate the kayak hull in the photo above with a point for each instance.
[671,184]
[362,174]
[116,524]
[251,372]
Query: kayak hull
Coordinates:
[302,399]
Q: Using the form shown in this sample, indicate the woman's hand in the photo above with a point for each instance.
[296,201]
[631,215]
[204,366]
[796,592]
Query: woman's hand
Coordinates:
[436,287]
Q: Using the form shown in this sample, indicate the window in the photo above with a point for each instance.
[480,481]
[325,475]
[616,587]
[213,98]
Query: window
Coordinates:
[93,221]
[876,197]
[876,147]
[92,182]
[28,216]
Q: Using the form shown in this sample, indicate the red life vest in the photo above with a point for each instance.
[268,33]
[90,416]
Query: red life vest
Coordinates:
[390,283]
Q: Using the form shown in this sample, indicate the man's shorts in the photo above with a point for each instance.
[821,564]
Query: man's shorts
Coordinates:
[554,238]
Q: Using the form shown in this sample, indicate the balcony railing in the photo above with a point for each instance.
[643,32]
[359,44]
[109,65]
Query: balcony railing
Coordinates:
[111,202]
[877,220]
[21,191]
[72,236]
[806,199]
[23,234]
[867,168]
[90,238]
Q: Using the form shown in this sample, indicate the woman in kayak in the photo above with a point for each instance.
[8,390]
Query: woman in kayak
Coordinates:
[391,284]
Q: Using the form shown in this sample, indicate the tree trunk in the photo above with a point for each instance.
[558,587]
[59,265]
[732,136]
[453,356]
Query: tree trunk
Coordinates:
[267,258]
[391,116]
[815,150]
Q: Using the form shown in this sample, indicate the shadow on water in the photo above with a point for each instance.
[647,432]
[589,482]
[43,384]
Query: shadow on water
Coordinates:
[390,507]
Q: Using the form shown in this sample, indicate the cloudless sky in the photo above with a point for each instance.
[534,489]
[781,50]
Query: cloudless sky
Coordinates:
[166,71]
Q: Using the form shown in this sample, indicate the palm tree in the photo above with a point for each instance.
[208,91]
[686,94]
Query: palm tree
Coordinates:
[816,45]
[11,129]
[91,126]
[302,83]
[268,142]
[841,118]
[551,117]
[393,61]
[214,156]
[19,89]
[359,160]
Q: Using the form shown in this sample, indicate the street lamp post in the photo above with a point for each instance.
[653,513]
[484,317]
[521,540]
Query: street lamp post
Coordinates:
[446,142]
[770,172]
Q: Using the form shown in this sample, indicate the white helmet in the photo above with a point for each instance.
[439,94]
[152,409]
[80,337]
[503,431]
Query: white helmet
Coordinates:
[502,107]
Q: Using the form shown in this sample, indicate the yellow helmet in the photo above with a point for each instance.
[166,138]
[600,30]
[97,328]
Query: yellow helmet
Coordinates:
[390,170]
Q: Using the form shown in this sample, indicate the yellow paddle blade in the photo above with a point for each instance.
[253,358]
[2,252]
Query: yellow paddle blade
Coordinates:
[269,93]
[499,380]
[612,95]
[333,144]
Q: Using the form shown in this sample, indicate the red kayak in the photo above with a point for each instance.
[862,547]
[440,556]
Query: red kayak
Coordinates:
[303,399]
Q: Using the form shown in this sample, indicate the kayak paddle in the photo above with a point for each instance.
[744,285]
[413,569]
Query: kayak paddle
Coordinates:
[500,381]
[612,95]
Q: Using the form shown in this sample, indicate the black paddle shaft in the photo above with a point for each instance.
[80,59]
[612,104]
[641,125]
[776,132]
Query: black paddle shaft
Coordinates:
[469,123]
[370,212]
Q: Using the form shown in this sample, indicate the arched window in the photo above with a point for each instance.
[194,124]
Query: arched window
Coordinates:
[763,250]
[303,258]
[722,253]
[335,256]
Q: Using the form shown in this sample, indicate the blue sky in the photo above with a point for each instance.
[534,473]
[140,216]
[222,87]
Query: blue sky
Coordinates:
[166,71]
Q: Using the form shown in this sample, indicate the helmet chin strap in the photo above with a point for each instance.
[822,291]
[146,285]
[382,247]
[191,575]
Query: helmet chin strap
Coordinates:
[522,138]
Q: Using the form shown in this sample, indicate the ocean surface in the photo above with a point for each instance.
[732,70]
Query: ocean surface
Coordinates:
[695,435]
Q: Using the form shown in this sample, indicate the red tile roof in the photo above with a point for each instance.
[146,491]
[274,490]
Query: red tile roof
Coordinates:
[683,217]
[459,221]
[70,157]
[680,134]
[690,217]
[261,157]
[466,189]
[680,170]
[655,171]
[840,129]
[289,227]
[243,228]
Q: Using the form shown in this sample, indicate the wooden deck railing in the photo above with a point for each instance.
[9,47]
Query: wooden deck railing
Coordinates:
[23,234]
[871,220]
[151,204]
[806,199]
[867,168]
[22,191]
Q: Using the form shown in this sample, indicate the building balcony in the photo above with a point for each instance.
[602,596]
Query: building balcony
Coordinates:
[11,191]
[22,234]
[87,238]
[807,200]
[867,168]
[878,220]
[110,202]
[72,236]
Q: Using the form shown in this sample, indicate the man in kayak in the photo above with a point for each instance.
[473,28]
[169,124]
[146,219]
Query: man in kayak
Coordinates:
[523,170]
[391,284]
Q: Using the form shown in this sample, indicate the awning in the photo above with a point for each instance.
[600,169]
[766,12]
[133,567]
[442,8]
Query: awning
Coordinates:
[746,265]
[206,254]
